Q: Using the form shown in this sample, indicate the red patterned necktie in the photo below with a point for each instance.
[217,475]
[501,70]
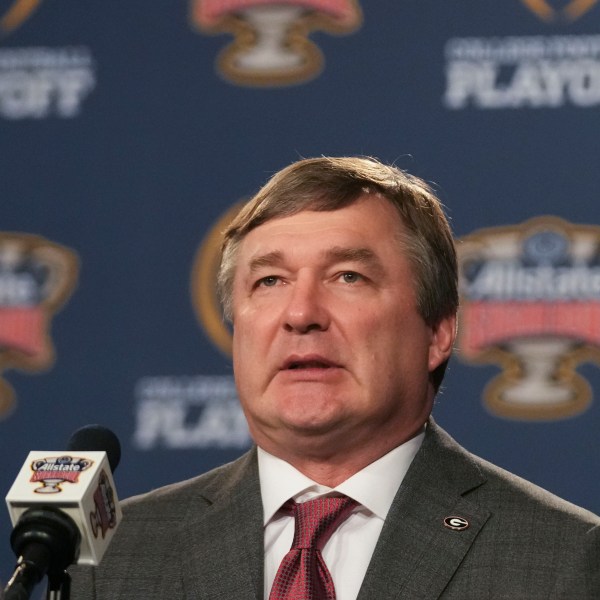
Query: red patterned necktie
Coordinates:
[302,574]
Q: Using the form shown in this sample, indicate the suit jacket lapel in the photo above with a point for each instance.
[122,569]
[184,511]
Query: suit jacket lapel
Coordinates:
[225,559]
[417,554]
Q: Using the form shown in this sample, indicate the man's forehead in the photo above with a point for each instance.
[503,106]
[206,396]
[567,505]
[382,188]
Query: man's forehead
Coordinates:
[331,254]
[362,231]
[358,219]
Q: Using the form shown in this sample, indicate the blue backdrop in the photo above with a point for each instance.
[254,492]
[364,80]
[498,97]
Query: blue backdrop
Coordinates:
[123,142]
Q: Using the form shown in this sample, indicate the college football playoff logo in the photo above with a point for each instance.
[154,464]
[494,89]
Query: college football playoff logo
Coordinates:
[271,45]
[570,11]
[530,301]
[36,278]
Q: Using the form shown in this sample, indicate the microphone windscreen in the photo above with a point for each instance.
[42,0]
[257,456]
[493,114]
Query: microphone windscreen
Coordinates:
[96,438]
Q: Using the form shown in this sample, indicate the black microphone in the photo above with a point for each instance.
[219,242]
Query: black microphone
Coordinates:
[64,509]
[97,438]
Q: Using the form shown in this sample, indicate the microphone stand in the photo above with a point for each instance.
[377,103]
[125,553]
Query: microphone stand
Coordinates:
[59,586]
[46,540]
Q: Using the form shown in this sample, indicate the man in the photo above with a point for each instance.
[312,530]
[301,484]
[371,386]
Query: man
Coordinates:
[340,280]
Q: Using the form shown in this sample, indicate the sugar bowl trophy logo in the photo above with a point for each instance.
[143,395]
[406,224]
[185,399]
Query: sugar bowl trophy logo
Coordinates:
[549,10]
[53,471]
[530,297]
[13,15]
[271,45]
[36,278]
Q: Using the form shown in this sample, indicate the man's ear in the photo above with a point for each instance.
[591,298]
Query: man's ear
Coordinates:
[442,341]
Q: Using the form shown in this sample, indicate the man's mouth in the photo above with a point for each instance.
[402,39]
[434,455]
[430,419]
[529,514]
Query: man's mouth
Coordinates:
[310,364]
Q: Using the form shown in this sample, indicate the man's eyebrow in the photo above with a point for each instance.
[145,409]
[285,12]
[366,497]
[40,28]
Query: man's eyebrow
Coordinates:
[270,259]
[335,254]
[361,255]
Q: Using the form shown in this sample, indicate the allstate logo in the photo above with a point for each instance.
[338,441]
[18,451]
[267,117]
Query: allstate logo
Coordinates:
[16,14]
[52,472]
[271,45]
[530,301]
[557,10]
[36,278]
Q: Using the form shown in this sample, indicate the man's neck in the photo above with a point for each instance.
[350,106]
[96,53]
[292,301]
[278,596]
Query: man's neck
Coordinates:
[332,467]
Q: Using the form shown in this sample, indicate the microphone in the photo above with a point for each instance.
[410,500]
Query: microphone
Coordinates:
[64,509]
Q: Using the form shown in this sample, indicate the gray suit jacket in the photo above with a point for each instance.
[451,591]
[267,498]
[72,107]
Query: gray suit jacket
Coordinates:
[203,538]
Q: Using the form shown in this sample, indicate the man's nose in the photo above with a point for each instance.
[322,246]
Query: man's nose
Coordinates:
[306,309]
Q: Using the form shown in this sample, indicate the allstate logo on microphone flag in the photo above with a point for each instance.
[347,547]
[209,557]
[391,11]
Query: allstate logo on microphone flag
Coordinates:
[271,45]
[553,10]
[53,471]
[36,278]
[530,302]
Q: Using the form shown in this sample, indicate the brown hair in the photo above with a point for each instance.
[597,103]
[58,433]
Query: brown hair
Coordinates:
[330,183]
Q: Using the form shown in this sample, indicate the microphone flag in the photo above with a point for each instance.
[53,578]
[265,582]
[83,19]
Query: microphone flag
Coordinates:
[80,484]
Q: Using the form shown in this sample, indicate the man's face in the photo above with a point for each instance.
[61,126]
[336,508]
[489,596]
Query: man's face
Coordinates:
[330,353]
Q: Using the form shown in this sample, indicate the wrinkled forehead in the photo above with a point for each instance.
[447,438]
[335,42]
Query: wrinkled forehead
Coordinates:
[371,226]
[274,207]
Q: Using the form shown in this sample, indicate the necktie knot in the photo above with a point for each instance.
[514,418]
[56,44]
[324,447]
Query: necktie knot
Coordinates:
[303,574]
[316,520]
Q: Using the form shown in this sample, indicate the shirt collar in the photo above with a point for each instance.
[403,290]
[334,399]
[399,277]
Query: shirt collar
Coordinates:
[374,487]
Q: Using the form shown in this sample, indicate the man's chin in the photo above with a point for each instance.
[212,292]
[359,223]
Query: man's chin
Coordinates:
[322,435]
[313,428]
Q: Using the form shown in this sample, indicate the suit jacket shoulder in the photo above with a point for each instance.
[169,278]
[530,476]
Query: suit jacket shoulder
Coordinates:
[462,528]
[201,538]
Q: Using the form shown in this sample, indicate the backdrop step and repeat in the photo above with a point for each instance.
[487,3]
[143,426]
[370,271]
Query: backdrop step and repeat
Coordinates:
[130,131]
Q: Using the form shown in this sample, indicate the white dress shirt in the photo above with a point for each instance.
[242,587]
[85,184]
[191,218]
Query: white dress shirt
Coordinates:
[348,552]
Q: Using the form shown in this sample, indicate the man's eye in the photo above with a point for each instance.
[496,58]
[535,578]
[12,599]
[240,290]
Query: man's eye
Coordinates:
[268,281]
[350,277]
